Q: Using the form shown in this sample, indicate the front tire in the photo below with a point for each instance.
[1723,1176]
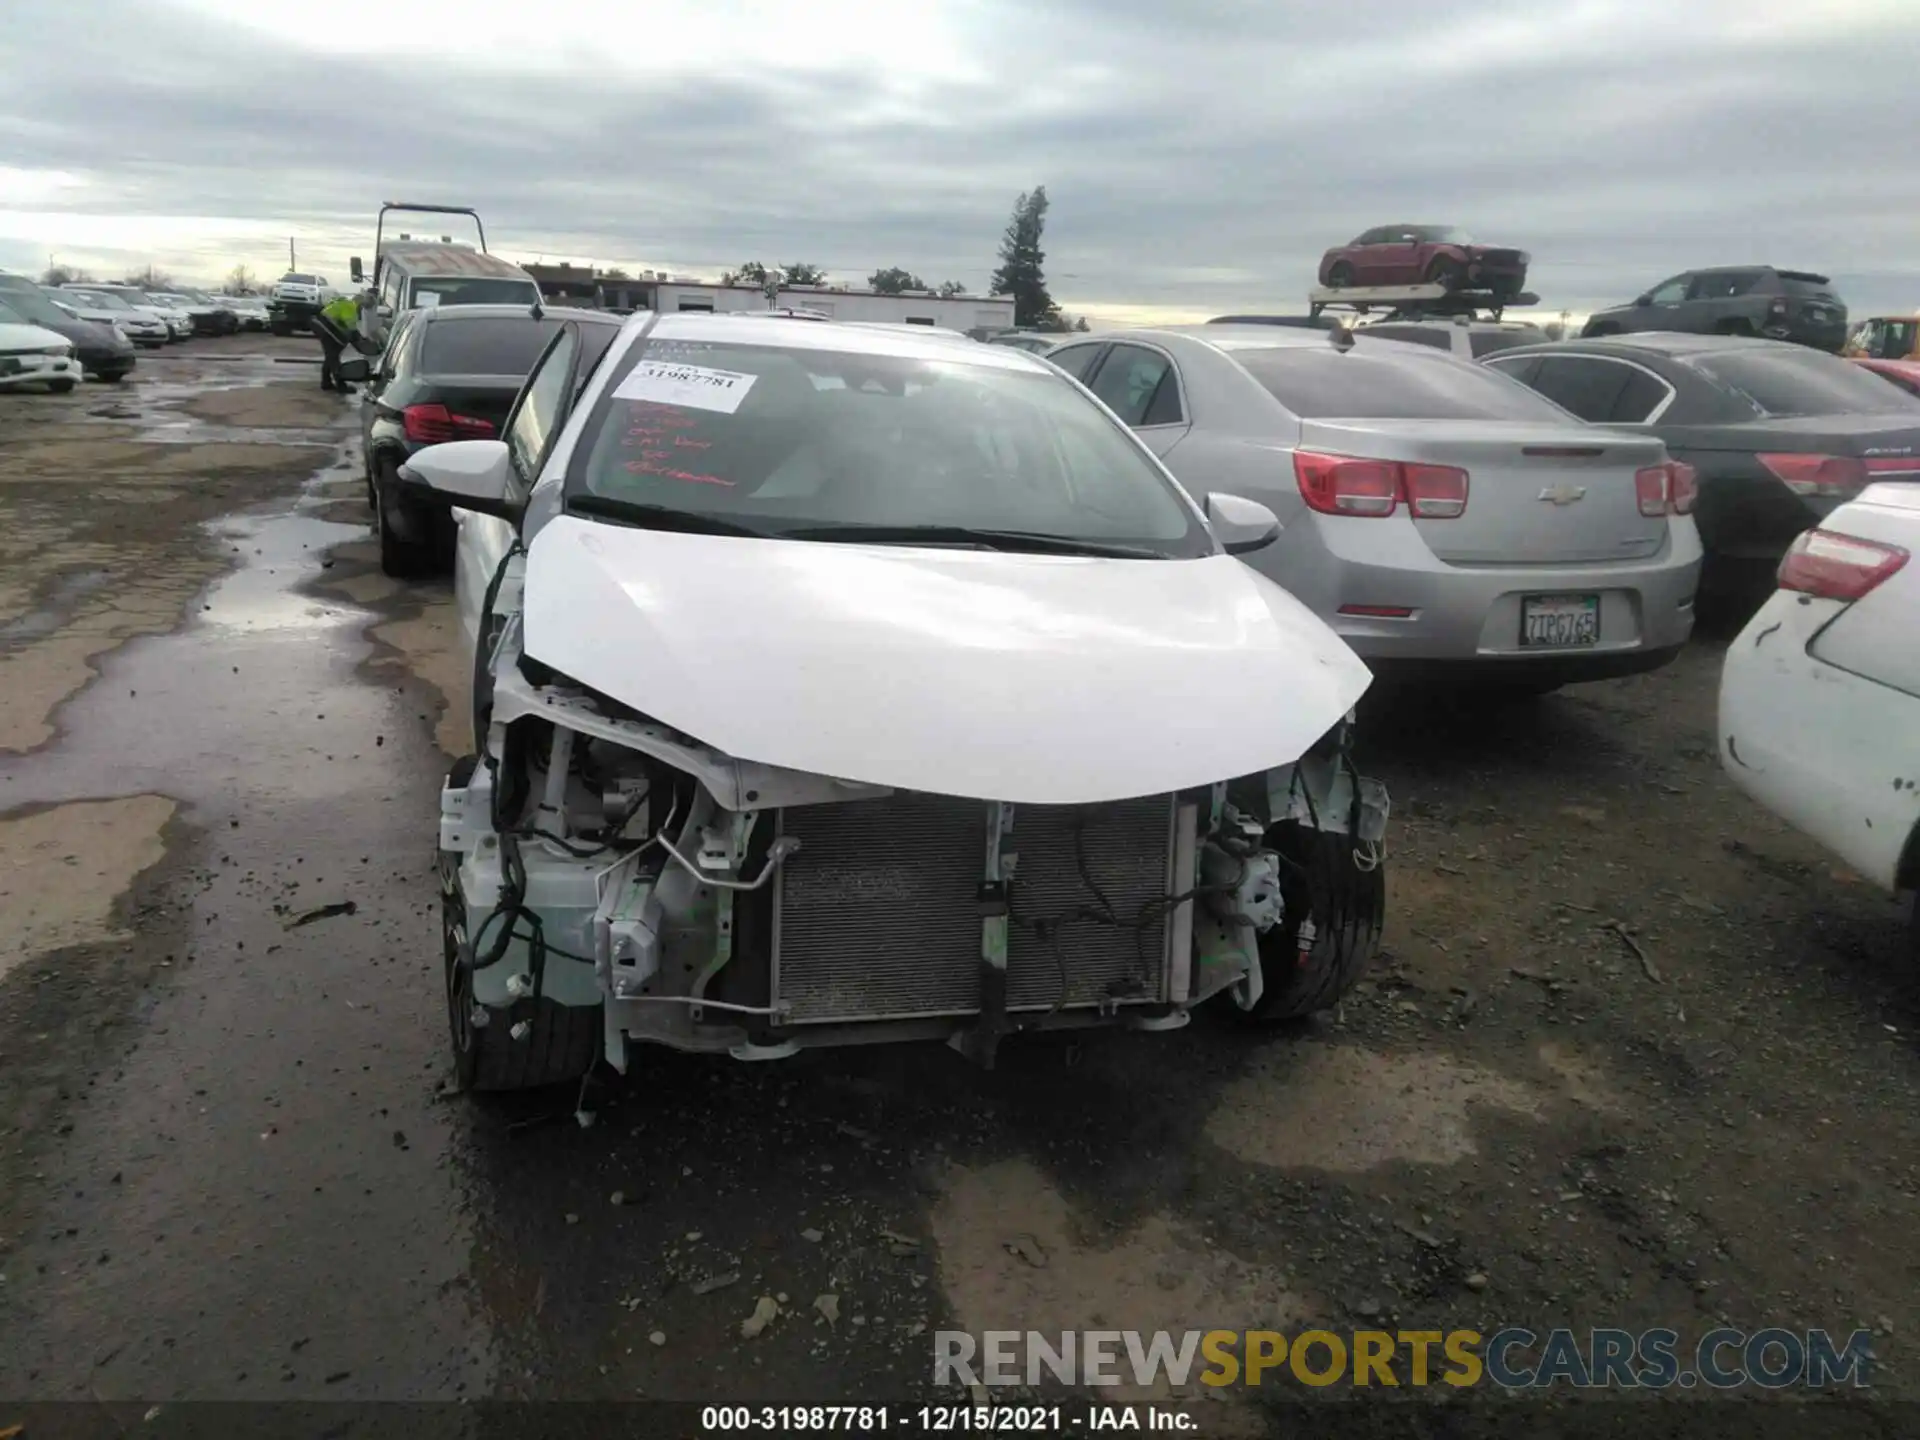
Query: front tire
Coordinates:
[1347,905]
[60,387]
[1340,277]
[562,1041]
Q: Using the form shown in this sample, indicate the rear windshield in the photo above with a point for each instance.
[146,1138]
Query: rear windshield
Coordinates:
[783,439]
[458,290]
[1488,341]
[1794,381]
[506,346]
[1434,339]
[1317,383]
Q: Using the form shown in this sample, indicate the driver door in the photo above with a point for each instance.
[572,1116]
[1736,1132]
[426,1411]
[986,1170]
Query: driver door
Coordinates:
[529,432]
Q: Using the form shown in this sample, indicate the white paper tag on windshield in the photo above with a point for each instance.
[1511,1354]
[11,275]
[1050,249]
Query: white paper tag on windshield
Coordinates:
[427,299]
[695,386]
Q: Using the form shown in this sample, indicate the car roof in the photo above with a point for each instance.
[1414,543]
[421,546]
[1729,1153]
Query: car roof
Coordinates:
[1671,343]
[444,314]
[421,257]
[1226,337]
[1504,327]
[918,342]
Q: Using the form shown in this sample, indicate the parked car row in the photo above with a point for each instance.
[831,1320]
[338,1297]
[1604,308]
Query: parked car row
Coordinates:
[99,348]
[1512,513]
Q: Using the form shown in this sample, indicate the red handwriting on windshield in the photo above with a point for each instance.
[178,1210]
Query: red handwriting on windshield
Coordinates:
[655,432]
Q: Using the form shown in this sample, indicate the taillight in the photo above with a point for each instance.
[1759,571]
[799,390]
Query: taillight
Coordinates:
[1825,475]
[1838,567]
[1434,492]
[1668,489]
[435,425]
[1651,486]
[1348,485]
[1684,487]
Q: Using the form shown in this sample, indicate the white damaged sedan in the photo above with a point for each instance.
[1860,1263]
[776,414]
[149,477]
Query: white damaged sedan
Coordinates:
[837,685]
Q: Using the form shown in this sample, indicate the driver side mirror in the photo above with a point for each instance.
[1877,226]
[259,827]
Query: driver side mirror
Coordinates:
[1646,299]
[359,273]
[470,474]
[1242,525]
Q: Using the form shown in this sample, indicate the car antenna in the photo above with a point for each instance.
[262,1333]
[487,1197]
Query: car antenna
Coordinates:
[1340,337]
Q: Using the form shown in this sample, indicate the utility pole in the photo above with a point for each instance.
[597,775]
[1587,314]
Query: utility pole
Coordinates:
[292,264]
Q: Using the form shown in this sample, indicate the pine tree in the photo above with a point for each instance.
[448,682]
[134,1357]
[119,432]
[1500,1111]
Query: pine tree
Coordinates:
[1022,271]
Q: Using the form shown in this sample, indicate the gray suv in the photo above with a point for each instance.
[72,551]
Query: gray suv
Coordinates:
[1735,300]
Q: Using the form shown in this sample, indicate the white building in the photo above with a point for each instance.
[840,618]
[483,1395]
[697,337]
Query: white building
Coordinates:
[915,307]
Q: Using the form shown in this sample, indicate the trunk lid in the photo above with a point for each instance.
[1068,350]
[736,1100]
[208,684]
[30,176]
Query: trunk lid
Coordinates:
[1536,494]
[1886,440]
[482,397]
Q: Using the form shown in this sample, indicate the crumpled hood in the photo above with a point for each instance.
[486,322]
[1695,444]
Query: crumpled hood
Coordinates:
[1041,679]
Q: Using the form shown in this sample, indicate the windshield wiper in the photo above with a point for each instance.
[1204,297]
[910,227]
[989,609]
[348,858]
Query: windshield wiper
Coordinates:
[1034,541]
[660,517]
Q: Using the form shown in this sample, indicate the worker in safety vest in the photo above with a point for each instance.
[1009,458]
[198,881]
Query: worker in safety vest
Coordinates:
[334,326]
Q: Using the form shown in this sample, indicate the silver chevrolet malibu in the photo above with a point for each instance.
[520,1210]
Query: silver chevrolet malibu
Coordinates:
[1449,523]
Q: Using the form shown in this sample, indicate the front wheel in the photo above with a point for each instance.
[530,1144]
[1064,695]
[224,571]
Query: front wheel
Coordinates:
[60,387]
[1336,904]
[1447,273]
[560,1042]
[1340,277]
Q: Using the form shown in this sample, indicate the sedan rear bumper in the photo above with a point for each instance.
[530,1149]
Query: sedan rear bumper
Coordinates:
[1360,575]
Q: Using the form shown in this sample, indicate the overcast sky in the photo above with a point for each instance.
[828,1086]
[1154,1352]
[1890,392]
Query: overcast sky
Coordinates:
[1200,154]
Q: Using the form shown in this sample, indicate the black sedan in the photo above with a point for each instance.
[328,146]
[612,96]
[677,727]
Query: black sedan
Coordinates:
[102,351]
[1778,434]
[447,373]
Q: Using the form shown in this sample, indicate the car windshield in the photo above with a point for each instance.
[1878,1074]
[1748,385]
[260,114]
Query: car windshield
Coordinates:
[783,440]
[1411,383]
[457,290]
[11,316]
[507,345]
[294,278]
[1789,380]
[32,303]
[98,300]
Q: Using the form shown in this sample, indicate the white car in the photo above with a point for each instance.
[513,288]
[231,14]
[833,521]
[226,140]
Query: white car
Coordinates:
[32,356]
[175,316]
[139,325]
[838,684]
[1820,695]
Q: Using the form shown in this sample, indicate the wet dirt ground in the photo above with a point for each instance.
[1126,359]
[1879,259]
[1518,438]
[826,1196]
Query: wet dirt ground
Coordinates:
[229,1170]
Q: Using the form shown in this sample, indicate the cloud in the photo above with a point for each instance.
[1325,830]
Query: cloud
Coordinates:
[1199,156]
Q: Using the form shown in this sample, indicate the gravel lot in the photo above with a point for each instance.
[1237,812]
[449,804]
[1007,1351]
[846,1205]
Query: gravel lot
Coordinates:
[1635,1054]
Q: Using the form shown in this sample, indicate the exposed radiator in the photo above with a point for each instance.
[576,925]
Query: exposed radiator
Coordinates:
[877,915]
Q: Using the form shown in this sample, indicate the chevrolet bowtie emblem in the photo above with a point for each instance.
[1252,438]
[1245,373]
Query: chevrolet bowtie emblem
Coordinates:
[1564,494]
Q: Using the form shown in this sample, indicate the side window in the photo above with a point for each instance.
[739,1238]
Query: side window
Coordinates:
[393,358]
[1722,285]
[1588,387]
[1639,398]
[1671,292]
[594,340]
[390,290]
[1520,367]
[1899,340]
[1131,383]
[542,401]
[1076,360]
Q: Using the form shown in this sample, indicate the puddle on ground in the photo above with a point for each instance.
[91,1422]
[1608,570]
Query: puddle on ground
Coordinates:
[1344,1109]
[55,610]
[63,870]
[1014,1254]
[220,705]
